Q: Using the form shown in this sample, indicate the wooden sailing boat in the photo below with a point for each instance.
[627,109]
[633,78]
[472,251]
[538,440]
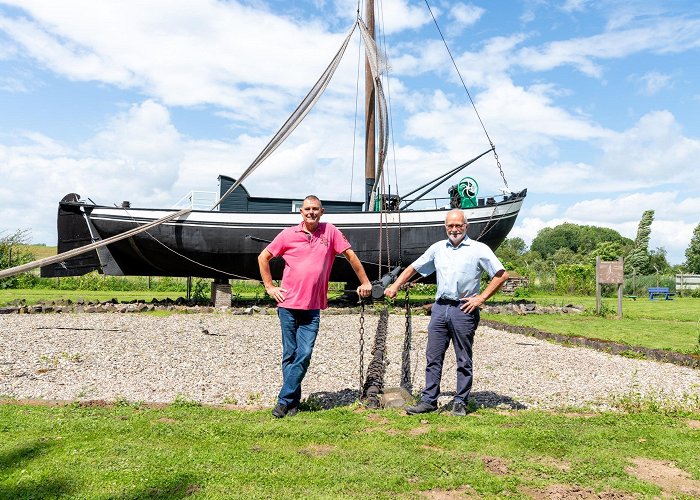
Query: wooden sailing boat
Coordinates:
[224,243]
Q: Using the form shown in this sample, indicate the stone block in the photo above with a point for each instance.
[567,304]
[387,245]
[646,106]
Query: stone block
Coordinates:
[395,397]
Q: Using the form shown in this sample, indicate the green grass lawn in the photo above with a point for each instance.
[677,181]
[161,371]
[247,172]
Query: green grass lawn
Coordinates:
[659,324]
[131,452]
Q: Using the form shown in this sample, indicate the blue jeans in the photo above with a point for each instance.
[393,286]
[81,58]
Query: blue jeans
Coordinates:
[449,323]
[299,330]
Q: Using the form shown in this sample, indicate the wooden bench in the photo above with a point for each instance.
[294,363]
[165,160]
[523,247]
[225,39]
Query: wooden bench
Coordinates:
[660,291]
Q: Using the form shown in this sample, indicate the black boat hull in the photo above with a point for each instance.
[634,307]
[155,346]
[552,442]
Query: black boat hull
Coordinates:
[225,245]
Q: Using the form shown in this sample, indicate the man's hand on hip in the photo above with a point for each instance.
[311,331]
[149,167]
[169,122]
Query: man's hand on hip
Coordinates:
[471,304]
[276,293]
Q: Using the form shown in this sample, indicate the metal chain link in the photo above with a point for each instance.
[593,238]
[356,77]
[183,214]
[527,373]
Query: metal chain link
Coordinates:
[362,346]
[406,379]
[498,163]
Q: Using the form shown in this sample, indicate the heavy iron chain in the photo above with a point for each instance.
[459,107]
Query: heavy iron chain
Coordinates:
[362,345]
[406,379]
[376,369]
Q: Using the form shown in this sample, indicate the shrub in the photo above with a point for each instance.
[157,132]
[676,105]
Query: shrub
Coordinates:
[575,279]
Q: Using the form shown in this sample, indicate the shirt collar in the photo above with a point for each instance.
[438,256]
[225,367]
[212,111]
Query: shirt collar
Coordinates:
[300,228]
[465,242]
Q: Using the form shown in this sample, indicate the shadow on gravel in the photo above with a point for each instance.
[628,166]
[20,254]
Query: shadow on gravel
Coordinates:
[326,400]
[490,399]
[484,399]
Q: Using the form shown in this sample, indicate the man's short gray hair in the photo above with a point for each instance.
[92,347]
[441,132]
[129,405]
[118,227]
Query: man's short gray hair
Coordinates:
[313,197]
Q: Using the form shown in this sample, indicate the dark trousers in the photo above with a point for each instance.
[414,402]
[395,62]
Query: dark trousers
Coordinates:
[449,323]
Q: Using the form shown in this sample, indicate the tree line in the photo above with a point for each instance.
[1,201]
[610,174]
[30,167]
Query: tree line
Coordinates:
[562,258]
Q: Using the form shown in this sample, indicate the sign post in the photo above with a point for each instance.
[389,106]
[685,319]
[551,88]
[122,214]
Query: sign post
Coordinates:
[609,272]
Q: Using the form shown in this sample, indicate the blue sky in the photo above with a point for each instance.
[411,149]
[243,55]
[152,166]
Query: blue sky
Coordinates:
[592,105]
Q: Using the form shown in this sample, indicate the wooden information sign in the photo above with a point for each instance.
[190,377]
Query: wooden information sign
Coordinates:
[611,272]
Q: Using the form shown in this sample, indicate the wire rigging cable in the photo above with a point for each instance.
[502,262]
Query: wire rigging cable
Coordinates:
[459,74]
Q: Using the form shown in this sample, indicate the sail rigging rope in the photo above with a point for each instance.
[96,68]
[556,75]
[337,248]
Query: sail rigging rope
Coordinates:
[373,61]
[459,74]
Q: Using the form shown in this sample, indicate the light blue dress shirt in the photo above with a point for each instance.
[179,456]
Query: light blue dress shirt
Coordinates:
[458,268]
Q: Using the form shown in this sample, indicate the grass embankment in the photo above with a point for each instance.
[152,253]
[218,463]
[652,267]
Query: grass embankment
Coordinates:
[658,324]
[38,251]
[135,452]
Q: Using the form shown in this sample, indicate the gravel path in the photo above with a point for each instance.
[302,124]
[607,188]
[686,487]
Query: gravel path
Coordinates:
[158,359]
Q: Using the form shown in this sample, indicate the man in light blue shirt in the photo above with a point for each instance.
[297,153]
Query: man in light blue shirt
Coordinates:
[458,263]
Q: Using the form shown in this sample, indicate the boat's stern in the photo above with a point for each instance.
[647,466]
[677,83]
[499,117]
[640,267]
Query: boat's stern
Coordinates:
[73,232]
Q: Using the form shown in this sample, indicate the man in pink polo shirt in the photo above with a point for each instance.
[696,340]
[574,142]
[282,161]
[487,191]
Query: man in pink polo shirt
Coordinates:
[308,250]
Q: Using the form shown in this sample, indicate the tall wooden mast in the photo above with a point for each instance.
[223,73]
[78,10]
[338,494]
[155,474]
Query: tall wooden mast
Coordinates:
[370,148]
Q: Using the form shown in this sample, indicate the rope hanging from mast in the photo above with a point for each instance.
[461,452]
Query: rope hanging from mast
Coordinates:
[373,60]
[459,74]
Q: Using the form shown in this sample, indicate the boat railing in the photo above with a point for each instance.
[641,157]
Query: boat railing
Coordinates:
[198,200]
[445,202]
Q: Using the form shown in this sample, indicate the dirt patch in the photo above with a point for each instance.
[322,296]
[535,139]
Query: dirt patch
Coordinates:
[377,418]
[552,463]
[694,424]
[192,489]
[573,492]
[465,491]
[165,420]
[419,431]
[94,403]
[665,475]
[431,448]
[317,450]
[496,465]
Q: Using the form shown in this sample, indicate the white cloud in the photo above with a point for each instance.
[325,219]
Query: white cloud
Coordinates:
[394,15]
[181,54]
[543,210]
[574,5]
[652,82]
[12,85]
[465,15]
[654,152]
[659,35]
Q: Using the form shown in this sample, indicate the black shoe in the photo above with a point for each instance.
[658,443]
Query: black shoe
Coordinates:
[292,409]
[459,409]
[421,407]
[280,410]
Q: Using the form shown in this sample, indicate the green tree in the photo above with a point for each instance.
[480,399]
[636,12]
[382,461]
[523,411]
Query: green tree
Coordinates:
[564,256]
[511,252]
[637,260]
[658,261]
[607,251]
[579,239]
[692,253]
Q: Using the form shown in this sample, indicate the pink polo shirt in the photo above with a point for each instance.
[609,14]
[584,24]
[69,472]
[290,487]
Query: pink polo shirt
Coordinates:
[307,263]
